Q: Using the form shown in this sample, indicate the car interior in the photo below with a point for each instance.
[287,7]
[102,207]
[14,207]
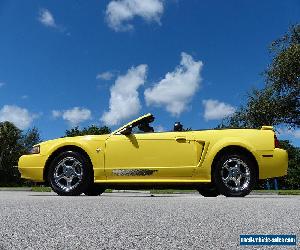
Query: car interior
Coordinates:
[144,126]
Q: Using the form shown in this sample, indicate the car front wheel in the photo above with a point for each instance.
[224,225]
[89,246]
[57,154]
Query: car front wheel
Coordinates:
[69,173]
[234,174]
[94,190]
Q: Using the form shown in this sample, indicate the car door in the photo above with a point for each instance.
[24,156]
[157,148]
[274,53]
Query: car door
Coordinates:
[164,156]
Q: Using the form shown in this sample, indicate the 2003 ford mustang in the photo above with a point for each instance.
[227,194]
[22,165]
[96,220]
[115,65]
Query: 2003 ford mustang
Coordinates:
[227,161]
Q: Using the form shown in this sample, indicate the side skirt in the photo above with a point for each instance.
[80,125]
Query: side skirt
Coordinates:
[153,185]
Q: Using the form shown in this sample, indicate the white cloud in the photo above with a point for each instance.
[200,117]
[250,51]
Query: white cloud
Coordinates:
[159,128]
[74,116]
[105,76]
[175,91]
[56,113]
[215,110]
[21,117]
[120,12]
[124,100]
[46,18]
[297,133]
[2,84]
[291,132]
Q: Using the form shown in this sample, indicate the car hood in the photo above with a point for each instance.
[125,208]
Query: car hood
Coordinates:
[76,139]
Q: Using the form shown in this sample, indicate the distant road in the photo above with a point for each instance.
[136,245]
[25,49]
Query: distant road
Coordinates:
[31,220]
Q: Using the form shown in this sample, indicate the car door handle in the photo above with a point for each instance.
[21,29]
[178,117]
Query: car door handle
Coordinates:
[180,139]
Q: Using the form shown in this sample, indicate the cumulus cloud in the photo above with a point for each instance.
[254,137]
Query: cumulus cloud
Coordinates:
[46,18]
[105,76]
[176,90]
[159,128]
[56,113]
[215,110]
[124,100]
[2,84]
[291,132]
[120,12]
[74,116]
[21,117]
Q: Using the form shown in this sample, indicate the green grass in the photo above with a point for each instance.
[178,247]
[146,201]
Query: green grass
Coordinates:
[280,192]
[41,189]
[265,191]
[289,192]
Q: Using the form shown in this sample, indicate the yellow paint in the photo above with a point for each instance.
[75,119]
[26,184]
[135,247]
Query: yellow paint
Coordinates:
[183,157]
[173,154]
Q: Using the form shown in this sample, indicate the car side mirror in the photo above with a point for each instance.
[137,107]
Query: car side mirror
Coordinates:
[126,131]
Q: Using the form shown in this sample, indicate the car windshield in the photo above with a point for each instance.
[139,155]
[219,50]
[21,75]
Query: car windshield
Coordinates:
[142,128]
[143,125]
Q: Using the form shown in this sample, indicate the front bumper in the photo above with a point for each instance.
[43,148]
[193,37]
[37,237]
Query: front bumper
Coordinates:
[273,164]
[31,167]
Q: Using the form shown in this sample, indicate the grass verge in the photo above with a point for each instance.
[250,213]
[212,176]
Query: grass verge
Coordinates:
[41,189]
[280,192]
[289,192]
[265,191]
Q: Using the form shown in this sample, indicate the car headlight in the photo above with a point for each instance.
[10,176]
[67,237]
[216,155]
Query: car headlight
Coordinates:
[35,150]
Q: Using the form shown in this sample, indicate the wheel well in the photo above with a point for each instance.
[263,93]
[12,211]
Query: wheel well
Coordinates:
[60,150]
[230,149]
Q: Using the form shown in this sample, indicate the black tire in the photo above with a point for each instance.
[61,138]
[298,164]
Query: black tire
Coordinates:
[70,174]
[208,191]
[94,190]
[234,174]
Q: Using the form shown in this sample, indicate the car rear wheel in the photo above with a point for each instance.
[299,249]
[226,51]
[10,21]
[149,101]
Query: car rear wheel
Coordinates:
[234,174]
[70,173]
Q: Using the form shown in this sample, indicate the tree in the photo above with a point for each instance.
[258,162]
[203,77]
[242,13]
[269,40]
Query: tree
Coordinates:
[260,109]
[292,180]
[13,143]
[283,75]
[91,130]
[10,151]
[30,138]
[279,101]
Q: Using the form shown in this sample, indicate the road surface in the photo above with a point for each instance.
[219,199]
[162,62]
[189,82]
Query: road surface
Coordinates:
[30,220]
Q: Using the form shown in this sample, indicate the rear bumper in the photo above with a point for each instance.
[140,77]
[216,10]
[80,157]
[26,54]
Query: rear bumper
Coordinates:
[274,164]
[31,167]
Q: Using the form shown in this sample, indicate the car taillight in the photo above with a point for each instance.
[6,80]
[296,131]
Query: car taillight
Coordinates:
[276,142]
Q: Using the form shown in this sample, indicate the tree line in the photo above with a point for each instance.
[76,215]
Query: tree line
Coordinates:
[277,104]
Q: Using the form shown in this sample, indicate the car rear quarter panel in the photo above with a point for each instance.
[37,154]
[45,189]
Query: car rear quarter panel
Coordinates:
[257,142]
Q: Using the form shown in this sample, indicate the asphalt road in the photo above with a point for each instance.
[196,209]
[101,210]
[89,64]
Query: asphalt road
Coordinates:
[138,221]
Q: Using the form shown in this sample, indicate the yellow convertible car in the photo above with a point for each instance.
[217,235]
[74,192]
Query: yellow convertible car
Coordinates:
[225,161]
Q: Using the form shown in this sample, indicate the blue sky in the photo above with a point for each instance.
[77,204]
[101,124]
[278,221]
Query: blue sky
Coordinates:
[67,63]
